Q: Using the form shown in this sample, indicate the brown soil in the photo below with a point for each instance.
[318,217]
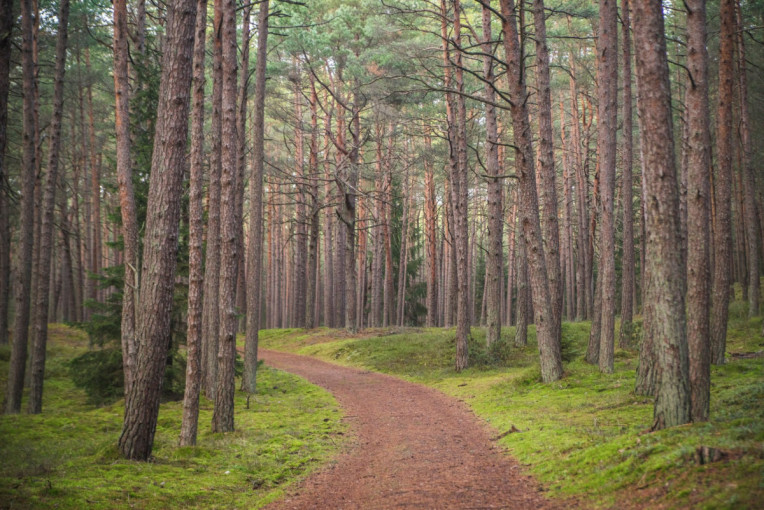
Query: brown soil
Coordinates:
[414,448]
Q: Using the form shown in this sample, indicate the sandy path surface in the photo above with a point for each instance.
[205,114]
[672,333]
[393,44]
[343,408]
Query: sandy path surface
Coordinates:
[415,448]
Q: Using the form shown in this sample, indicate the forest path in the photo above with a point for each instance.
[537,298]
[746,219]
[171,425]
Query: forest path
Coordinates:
[414,447]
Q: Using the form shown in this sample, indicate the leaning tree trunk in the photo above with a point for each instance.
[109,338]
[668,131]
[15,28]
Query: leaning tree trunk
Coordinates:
[255,246]
[161,245]
[190,423]
[548,340]
[40,323]
[665,320]
[722,187]
[26,235]
[698,211]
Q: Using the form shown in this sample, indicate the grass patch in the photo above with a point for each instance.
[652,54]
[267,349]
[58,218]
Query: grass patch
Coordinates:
[67,457]
[586,436]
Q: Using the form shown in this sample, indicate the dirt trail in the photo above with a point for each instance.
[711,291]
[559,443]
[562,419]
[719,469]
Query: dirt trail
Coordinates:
[415,448]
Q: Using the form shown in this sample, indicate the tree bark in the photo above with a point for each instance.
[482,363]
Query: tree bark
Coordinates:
[722,186]
[749,175]
[607,91]
[40,322]
[26,235]
[255,241]
[161,239]
[126,193]
[190,423]
[431,228]
[6,28]
[212,267]
[665,321]
[627,262]
[311,319]
[547,181]
[698,218]
[494,260]
[546,333]
[222,415]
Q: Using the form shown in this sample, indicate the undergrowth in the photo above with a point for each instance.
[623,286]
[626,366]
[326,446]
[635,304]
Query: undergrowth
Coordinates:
[586,437]
[67,456]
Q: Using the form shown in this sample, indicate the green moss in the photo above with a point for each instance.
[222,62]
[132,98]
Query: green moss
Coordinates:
[586,436]
[67,457]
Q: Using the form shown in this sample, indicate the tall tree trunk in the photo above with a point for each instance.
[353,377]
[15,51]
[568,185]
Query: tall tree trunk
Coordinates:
[190,423]
[523,294]
[328,231]
[301,219]
[387,306]
[627,261]
[255,240]
[431,228]
[665,321]
[212,267]
[126,194]
[698,218]
[222,415]
[161,246]
[241,165]
[582,186]
[404,252]
[513,235]
[459,193]
[749,180]
[548,340]
[380,205]
[95,190]
[494,260]
[607,70]
[314,217]
[547,182]
[26,234]
[722,186]
[6,27]
[40,322]
[571,275]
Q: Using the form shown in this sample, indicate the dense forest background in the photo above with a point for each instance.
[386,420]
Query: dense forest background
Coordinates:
[176,173]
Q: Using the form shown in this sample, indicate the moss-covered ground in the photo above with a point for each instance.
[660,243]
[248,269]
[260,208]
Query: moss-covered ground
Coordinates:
[587,436]
[67,456]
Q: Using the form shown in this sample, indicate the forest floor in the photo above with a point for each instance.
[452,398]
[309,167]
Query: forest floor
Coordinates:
[585,438]
[414,447]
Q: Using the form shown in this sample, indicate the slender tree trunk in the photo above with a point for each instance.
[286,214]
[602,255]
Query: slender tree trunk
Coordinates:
[459,193]
[387,306]
[26,235]
[582,187]
[377,268]
[722,186]
[160,249]
[212,268]
[511,262]
[241,165]
[6,27]
[523,294]
[255,247]
[607,67]
[190,423]
[665,322]
[698,219]
[749,181]
[546,333]
[494,260]
[311,318]
[40,322]
[547,185]
[627,261]
[404,249]
[222,415]
[431,227]
[126,193]
[301,237]
[328,230]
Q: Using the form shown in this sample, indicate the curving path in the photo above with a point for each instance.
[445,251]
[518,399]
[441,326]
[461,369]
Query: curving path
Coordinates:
[415,448]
